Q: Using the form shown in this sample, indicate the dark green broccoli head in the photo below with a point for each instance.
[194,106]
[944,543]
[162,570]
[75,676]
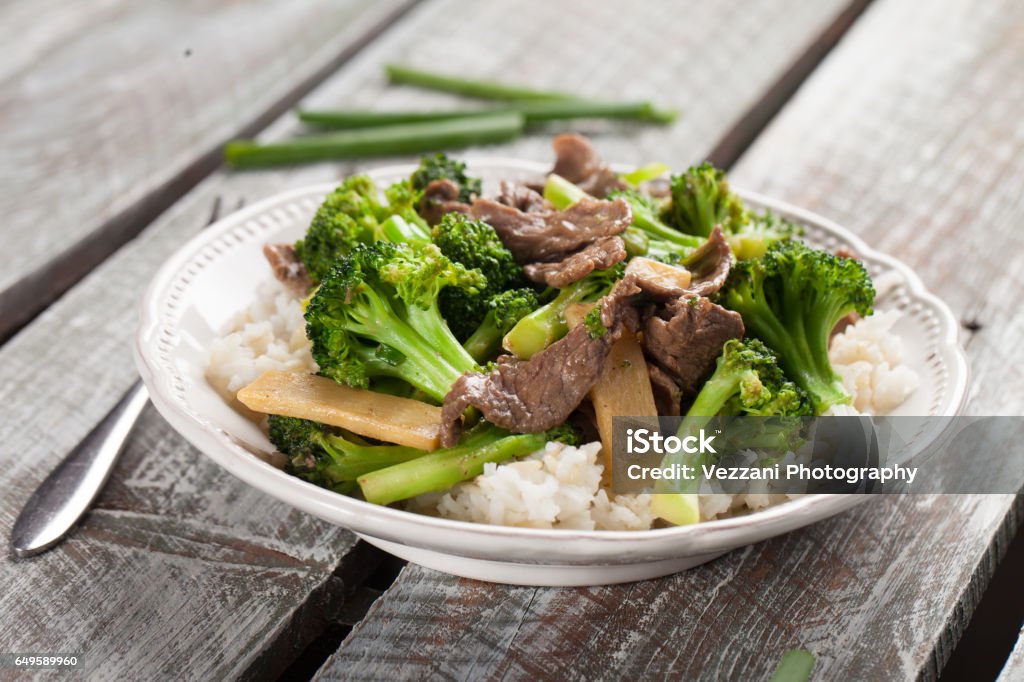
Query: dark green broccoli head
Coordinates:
[566,433]
[376,314]
[475,245]
[511,306]
[354,214]
[504,310]
[762,387]
[303,442]
[701,199]
[347,217]
[329,457]
[298,438]
[792,298]
[440,167]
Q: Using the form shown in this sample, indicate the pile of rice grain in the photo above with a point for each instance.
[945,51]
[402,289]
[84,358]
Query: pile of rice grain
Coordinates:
[270,334]
[556,487]
[869,357]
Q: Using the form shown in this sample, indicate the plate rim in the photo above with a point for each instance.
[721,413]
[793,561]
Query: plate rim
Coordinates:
[228,452]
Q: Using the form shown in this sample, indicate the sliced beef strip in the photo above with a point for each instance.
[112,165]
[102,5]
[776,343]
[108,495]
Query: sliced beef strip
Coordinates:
[441,197]
[577,161]
[542,237]
[522,197]
[540,393]
[287,267]
[598,255]
[685,338]
[667,394]
[710,264]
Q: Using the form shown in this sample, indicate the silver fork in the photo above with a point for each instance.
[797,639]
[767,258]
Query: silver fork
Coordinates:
[68,492]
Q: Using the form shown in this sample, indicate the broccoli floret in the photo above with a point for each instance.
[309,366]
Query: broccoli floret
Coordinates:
[701,199]
[504,310]
[747,381]
[547,324]
[441,469]
[348,216]
[329,458]
[475,245]
[376,314]
[440,167]
[353,214]
[791,298]
[762,231]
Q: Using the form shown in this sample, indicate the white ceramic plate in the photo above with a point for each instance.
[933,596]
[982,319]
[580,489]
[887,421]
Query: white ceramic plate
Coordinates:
[195,295]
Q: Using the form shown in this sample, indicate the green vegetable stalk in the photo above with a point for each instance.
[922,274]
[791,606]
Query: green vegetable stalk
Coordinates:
[409,138]
[533,112]
[442,469]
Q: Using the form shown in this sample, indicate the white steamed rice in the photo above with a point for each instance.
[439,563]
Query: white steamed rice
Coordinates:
[270,334]
[558,486]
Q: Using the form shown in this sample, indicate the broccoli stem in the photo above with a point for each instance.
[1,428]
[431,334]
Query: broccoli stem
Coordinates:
[561,193]
[390,140]
[350,460]
[485,341]
[442,469]
[432,327]
[822,392]
[420,363]
[417,364]
[397,230]
[637,243]
[645,173]
[546,324]
[539,111]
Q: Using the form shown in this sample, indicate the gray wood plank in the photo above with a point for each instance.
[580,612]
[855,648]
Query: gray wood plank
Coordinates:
[1014,668]
[179,571]
[909,133]
[112,109]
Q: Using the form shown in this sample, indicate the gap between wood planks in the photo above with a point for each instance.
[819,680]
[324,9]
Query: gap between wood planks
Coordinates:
[31,295]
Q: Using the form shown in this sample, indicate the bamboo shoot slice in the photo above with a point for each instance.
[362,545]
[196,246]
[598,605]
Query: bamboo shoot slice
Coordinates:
[375,415]
[623,388]
[663,276]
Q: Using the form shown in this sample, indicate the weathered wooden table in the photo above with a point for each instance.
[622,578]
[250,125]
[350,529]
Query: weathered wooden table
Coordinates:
[899,119]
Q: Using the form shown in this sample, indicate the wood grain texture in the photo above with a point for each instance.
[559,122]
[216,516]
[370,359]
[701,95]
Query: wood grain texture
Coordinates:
[112,109]
[179,571]
[1014,668]
[910,134]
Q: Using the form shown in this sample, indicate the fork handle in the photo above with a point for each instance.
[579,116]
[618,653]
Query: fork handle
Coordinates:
[68,492]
